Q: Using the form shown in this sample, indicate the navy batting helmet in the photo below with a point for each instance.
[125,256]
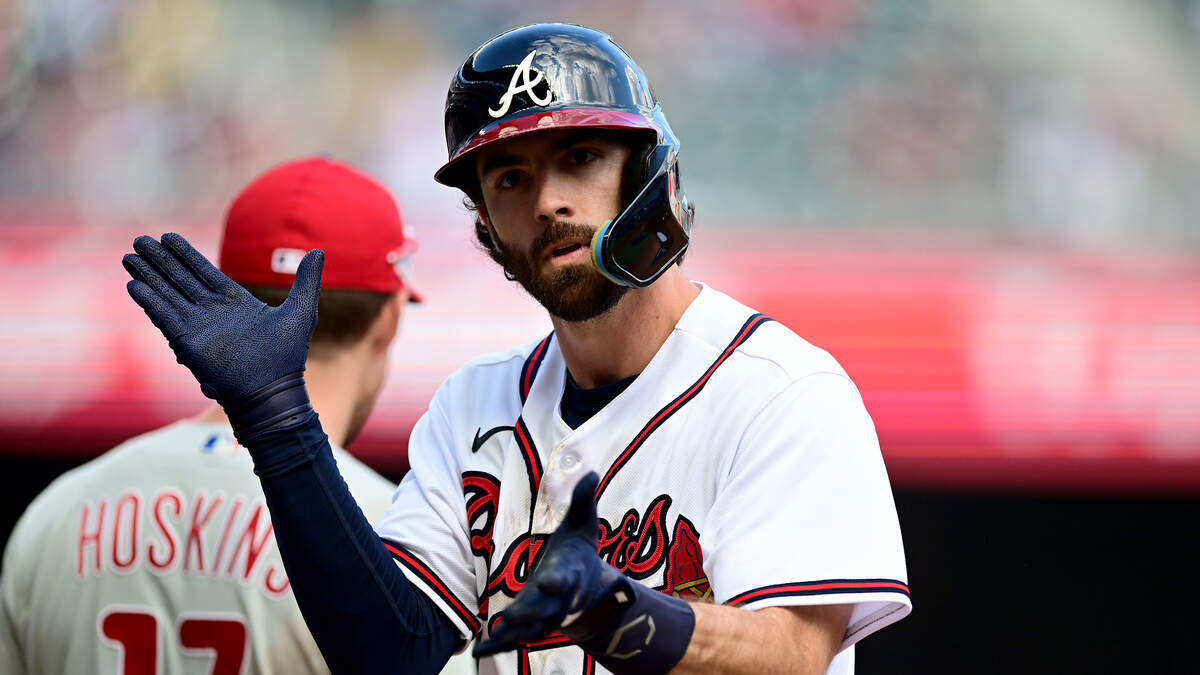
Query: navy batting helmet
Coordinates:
[554,76]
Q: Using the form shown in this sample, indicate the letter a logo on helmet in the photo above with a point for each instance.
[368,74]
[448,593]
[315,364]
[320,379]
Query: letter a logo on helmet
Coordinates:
[582,80]
[526,86]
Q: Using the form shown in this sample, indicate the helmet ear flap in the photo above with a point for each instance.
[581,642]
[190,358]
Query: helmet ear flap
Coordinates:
[637,170]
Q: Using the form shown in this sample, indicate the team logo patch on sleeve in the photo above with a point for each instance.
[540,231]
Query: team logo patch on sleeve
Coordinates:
[685,576]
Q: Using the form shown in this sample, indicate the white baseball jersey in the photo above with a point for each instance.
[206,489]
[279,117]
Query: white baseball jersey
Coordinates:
[159,557]
[740,467]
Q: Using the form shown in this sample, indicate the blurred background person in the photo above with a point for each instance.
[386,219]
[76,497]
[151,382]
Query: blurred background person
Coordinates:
[173,565]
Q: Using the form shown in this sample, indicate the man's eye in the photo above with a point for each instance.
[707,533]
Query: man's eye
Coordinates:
[508,179]
[582,156]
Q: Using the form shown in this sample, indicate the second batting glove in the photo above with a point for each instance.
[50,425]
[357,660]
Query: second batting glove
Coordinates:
[628,627]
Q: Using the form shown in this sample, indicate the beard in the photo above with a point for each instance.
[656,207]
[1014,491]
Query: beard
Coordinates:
[575,293]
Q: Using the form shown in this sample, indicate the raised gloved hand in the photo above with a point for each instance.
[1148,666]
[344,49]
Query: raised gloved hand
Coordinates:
[625,625]
[246,355]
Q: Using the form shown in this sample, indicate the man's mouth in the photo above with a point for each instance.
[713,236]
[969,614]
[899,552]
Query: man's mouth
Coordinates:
[565,249]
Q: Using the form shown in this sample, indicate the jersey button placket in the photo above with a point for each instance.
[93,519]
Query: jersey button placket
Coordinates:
[570,463]
[550,493]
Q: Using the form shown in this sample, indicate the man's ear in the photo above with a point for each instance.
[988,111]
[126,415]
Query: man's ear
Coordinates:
[481,209]
[386,326]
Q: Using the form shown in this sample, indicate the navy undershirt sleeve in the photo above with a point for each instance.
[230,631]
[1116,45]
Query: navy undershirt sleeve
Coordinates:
[364,614]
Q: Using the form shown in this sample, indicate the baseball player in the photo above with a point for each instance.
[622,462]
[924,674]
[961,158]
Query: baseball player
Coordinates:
[159,556]
[669,481]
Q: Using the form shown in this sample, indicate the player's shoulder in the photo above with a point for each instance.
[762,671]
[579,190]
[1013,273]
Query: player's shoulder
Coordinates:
[497,364]
[128,453]
[186,434]
[758,342]
[133,459]
[44,515]
[492,377]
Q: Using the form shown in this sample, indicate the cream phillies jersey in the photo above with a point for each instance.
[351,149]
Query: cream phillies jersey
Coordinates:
[740,467]
[159,557]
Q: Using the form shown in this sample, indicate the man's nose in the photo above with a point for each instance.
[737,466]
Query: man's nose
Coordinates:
[555,201]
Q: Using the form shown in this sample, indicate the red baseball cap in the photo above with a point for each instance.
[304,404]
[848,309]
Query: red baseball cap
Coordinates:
[317,203]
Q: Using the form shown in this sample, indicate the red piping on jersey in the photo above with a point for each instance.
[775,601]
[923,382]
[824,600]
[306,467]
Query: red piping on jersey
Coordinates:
[820,587]
[533,463]
[551,641]
[530,453]
[532,364]
[671,408]
[425,573]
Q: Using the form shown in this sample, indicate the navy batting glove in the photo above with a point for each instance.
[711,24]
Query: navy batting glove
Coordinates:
[568,580]
[628,627]
[247,356]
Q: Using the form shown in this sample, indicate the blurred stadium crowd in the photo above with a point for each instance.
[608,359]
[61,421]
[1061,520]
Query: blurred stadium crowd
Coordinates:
[1065,124]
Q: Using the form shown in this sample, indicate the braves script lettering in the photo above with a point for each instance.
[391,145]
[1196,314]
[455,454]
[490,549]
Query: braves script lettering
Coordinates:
[636,545]
[639,546]
[482,492]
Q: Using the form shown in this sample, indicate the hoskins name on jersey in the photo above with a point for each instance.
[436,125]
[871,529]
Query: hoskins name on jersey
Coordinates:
[202,534]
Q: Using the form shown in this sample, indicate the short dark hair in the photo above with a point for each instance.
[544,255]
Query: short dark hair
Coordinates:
[343,315]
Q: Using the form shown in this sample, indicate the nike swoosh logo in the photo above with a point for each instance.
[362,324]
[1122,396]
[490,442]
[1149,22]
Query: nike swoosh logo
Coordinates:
[480,440]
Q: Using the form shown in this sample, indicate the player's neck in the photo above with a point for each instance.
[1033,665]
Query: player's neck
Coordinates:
[624,340]
[330,383]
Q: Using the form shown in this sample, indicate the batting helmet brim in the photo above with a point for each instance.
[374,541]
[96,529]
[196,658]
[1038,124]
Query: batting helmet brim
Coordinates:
[459,171]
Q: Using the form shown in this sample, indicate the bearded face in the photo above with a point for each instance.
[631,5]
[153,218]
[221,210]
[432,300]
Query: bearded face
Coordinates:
[576,292]
[540,196]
